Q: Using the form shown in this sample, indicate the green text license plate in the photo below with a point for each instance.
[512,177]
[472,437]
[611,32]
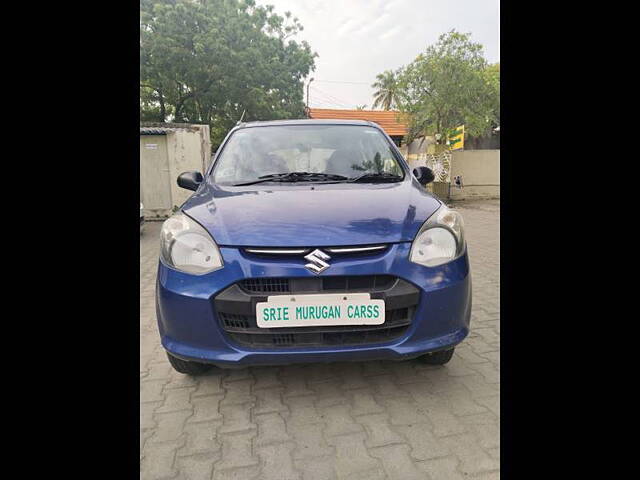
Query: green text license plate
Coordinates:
[319,310]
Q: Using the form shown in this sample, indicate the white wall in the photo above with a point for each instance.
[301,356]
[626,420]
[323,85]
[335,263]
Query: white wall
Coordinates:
[187,148]
[480,170]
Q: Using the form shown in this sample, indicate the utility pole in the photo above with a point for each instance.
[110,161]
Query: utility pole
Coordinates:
[310,80]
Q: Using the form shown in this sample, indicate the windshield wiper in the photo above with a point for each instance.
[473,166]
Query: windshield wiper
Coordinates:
[376,177]
[293,177]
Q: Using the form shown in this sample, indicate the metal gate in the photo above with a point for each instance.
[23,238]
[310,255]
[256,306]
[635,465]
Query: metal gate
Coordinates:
[440,164]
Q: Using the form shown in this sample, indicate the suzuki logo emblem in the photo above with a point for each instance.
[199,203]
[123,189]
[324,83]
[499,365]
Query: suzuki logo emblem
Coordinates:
[317,261]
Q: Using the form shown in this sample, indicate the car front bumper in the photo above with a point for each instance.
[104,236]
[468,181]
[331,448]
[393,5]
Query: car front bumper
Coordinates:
[190,330]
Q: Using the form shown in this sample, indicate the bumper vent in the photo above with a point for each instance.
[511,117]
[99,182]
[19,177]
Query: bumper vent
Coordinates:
[355,283]
[235,309]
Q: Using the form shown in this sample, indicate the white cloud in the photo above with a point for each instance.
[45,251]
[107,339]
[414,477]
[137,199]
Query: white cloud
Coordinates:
[391,33]
[357,39]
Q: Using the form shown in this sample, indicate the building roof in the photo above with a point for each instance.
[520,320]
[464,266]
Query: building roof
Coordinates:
[388,120]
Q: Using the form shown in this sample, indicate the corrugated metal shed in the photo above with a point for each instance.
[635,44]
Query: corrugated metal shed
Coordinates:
[388,120]
[154,128]
[154,131]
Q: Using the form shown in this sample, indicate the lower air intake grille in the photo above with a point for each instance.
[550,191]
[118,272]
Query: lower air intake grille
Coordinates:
[351,283]
[266,285]
[235,308]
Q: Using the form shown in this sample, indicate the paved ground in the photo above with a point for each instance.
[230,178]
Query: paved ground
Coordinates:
[346,420]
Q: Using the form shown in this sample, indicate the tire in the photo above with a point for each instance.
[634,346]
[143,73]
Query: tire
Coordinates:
[188,368]
[437,358]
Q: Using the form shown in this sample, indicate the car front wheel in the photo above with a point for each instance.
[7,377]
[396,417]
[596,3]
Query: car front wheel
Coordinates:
[437,358]
[188,368]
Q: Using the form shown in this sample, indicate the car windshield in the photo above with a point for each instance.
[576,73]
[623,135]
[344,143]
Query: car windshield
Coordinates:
[306,153]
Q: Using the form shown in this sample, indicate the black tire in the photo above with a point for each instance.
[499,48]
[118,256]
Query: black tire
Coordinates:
[437,358]
[188,368]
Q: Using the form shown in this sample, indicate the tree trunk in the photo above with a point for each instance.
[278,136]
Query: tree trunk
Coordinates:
[179,106]
[163,109]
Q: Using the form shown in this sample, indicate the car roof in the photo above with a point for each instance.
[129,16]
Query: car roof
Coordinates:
[306,121]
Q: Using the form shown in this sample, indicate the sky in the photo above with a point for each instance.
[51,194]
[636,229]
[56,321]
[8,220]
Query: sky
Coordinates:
[357,39]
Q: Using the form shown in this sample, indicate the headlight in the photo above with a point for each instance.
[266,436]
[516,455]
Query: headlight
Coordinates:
[440,240]
[187,247]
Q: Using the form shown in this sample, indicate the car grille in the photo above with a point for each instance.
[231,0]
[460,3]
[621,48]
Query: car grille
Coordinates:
[327,284]
[235,309]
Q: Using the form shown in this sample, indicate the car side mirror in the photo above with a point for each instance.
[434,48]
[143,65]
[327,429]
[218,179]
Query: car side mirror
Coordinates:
[424,175]
[190,180]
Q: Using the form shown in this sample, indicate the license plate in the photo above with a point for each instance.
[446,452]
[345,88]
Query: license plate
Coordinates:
[319,310]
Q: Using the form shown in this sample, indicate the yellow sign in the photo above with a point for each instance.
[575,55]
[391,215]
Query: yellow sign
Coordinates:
[456,141]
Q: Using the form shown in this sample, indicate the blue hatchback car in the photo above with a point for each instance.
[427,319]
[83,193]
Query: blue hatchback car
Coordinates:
[311,241]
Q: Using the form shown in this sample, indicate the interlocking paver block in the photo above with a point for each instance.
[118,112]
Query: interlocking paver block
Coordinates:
[170,426]
[176,399]
[396,462]
[385,386]
[329,393]
[309,441]
[363,402]
[271,429]
[486,427]
[206,408]
[437,411]
[339,421]
[351,374]
[266,377]
[146,415]
[317,468]
[404,411]
[237,451]
[352,457]
[295,381]
[473,458]
[488,370]
[424,445]
[277,463]
[151,391]
[479,387]
[237,391]
[196,467]
[158,371]
[302,410]
[251,472]
[492,403]
[209,385]
[269,400]
[442,468]
[379,433]
[236,418]
[158,461]
[461,402]
[201,438]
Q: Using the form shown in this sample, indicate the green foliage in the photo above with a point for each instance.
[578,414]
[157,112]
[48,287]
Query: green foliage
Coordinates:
[386,90]
[492,78]
[207,61]
[448,85]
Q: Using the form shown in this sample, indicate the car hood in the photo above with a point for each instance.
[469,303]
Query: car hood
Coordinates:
[311,215]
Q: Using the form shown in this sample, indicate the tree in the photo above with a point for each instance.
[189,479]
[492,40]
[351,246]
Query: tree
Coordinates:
[386,90]
[208,61]
[360,107]
[448,85]
[492,77]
